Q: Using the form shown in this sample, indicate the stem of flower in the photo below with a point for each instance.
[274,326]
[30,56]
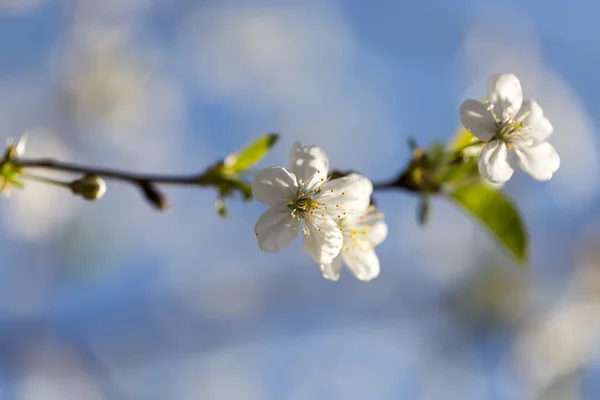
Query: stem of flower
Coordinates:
[138,179]
[461,149]
[45,180]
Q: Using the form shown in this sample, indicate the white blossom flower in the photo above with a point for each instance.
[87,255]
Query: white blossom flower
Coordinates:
[305,195]
[506,122]
[361,234]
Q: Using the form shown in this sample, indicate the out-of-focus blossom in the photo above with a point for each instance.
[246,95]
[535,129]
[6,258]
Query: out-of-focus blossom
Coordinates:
[9,174]
[361,234]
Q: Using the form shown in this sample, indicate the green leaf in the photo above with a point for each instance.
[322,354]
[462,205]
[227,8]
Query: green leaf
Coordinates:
[250,154]
[461,139]
[497,213]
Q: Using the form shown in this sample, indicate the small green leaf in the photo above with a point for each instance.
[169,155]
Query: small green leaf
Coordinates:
[250,154]
[461,139]
[497,213]
[461,171]
[244,189]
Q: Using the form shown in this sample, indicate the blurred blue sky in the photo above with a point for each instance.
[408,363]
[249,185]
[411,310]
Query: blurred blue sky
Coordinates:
[115,301]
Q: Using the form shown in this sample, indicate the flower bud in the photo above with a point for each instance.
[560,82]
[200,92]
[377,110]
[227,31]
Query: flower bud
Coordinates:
[90,187]
[155,196]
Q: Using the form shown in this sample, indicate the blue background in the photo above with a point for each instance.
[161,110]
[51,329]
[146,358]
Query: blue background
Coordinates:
[112,300]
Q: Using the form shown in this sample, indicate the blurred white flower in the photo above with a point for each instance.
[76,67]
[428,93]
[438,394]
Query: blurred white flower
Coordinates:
[507,122]
[304,194]
[32,213]
[361,233]
[10,174]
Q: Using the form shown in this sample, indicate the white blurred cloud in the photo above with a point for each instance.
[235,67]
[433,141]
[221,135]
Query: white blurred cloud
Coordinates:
[55,373]
[446,246]
[294,64]
[39,210]
[488,50]
[453,380]
[218,376]
[563,340]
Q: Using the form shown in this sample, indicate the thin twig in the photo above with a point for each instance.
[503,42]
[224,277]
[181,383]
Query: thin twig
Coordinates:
[138,179]
[48,181]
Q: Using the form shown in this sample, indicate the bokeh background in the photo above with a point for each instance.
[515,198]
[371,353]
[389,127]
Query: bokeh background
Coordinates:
[112,300]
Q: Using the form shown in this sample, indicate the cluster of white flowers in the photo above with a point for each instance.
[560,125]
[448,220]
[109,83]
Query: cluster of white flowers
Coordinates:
[338,223]
[505,122]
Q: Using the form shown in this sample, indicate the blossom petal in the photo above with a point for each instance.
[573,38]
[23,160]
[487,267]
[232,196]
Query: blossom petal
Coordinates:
[310,165]
[323,240]
[477,119]
[350,194]
[540,161]
[275,229]
[377,233]
[493,162]
[332,271]
[368,227]
[505,93]
[364,264]
[532,116]
[20,146]
[274,185]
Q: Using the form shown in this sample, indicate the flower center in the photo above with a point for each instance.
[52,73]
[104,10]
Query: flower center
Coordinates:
[303,206]
[510,129]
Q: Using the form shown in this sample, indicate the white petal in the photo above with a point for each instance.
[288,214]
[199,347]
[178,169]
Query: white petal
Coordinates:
[532,117]
[332,271]
[275,229]
[20,146]
[368,228]
[325,244]
[493,162]
[540,161]
[505,93]
[476,118]
[377,233]
[350,194]
[310,165]
[274,185]
[363,264]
